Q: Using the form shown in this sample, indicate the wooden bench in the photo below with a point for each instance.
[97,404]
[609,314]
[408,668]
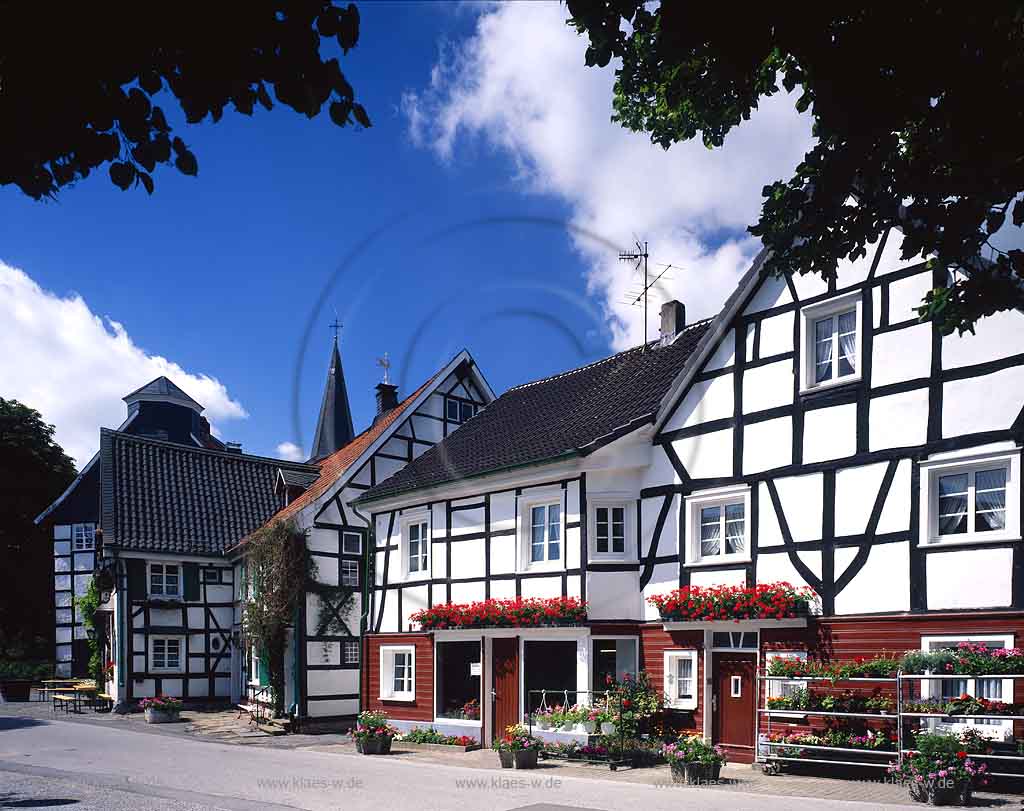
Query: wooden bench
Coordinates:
[65,700]
[106,700]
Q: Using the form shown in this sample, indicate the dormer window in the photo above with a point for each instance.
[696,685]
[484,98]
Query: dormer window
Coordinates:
[831,342]
[459,411]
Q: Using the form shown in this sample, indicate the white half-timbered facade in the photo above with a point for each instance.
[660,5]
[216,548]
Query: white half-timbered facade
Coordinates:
[328,661]
[813,432]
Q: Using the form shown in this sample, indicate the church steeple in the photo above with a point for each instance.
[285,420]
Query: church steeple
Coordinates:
[334,428]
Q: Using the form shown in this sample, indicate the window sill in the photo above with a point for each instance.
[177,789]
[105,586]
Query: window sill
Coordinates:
[682,707]
[723,560]
[832,385]
[398,699]
[459,722]
[941,544]
[531,568]
[602,558]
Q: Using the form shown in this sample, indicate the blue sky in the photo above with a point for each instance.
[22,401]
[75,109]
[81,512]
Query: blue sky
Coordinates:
[441,227]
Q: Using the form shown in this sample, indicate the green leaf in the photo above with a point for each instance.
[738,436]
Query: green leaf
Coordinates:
[122,174]
[339,112]
[186,163]
[360,115]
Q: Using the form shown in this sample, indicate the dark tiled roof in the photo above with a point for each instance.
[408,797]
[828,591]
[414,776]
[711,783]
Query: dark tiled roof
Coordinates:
[570,413]
[163,388]
[298,478]
[163,497]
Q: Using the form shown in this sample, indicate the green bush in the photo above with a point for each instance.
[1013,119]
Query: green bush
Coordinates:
[25,671]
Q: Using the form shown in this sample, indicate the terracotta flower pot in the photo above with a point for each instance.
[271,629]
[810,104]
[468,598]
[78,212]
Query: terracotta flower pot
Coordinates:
[378,745]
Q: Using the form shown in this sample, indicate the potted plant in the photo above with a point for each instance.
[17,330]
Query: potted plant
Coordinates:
[571,717]
[373,734]
[549,718]
[160,709]
[518,749]
[939,772]
[693,760]
[608,725]
[593,720]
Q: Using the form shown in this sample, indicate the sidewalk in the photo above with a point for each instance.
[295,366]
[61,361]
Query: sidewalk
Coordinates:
[223,726]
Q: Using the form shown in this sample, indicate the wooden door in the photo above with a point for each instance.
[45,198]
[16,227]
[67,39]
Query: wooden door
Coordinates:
[505,697]
[733,702]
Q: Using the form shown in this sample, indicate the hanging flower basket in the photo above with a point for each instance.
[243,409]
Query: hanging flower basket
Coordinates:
[519,613]
[763,601]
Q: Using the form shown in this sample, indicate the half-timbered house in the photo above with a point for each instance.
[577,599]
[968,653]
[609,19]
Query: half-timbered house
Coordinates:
[326,657]
[814,432]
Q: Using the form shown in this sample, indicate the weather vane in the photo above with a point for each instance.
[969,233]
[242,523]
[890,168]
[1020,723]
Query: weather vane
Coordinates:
[386,365]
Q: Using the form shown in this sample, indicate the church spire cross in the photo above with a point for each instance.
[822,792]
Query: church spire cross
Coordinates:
[336,326]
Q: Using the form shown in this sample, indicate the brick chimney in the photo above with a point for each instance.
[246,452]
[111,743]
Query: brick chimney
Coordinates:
[387,399]
[673,320]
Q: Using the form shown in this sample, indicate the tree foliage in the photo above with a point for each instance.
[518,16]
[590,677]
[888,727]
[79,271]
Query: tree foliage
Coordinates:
[279,572]
[34,470]
[80,82]
[916,110]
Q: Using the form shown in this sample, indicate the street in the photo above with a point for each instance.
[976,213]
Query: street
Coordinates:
[58,764]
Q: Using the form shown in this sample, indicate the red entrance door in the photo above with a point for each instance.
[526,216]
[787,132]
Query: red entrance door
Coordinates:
[733,704]
[505,698]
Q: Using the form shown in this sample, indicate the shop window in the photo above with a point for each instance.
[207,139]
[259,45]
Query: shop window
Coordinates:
[612,660]
[992,689]
[549,666]
[458,680]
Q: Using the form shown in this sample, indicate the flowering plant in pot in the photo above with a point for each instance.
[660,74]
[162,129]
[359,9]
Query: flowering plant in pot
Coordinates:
[373,733]
[594,719]
[517,748]
[160,709]
[693,760]
[549,717]
[530,612]
[763,601]
[572,716]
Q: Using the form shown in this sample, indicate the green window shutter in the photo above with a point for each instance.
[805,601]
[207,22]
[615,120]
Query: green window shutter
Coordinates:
[191,582]
[137,578]
[264,674]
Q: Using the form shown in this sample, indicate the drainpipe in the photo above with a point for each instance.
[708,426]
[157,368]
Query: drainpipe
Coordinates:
[293,709]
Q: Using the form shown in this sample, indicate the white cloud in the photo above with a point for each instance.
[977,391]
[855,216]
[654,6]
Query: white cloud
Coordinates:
[520,85]
[291,452]
[74,366]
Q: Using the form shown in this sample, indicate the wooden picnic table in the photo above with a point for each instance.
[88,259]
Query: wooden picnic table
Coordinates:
[51,686]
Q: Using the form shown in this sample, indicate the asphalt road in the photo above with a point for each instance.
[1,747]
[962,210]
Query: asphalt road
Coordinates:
[59,764]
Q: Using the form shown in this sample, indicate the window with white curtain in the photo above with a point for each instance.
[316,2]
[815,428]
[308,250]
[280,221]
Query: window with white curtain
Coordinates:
[681,679]
[165,653]
[831,344]
[545,533]
[398,672]
[719,526]
[417,547]
[971,500]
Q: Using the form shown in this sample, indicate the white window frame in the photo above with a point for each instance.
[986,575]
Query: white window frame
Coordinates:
[816,312]
[946,465]
[460,404]
[671,660]
[420,517]
[526,504]
[181,653]
[933,689]
[87,541]
[610,503]
[387,673]
[210,575]
[163,575]
[776,688]
[346,646]
[716,498]
[345,535]
[345,577]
